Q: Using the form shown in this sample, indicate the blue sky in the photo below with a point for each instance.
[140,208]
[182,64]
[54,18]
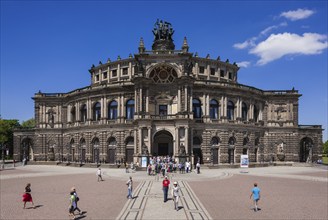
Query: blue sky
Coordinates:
[50,45]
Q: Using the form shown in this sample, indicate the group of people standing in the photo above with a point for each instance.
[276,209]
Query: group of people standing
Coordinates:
[167,164]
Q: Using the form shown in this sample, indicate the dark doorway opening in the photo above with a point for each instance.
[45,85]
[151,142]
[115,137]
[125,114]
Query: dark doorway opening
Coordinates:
[129,155]
[198,156]
[215,156]
[111,156]
[163,149]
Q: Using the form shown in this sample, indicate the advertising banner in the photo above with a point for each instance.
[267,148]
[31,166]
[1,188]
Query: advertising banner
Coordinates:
[143,161]
[244,161]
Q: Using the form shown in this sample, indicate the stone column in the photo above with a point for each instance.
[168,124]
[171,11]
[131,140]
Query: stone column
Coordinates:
[135,100]
[140,139]
[77,107]
[119,72]
[177,141]
[140,100]
[196,70]
[190,104]
[149,141]
[135,142]
[187,140]
[130,70]
[179,99]
[147,100]
[69,107]
[186,97]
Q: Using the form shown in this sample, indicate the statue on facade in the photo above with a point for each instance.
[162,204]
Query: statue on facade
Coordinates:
[163,32]
[144,149]
[182,150]
[188,67]
[280,151]
[138,68]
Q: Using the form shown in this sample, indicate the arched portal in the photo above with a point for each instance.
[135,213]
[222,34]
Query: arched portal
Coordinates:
[306,150]
[26,150]
[96,151]
[163,144]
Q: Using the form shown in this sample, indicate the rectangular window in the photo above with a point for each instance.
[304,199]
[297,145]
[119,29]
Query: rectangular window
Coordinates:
[221,73]
[162,110]
[125,71]
[114,73]
[230,75]
[212,71]
[105,75]
[201,69]
[97,77]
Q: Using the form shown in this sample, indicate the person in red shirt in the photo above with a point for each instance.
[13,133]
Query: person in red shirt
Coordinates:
[166,185]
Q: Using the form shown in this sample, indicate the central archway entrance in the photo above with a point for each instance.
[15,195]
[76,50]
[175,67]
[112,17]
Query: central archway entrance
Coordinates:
[163,144]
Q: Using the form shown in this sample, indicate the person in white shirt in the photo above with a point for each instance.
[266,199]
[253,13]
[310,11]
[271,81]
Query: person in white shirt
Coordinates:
[99,175]
[129,184]
[175,195]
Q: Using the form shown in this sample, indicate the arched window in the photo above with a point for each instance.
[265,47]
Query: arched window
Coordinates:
[163,74]
[230,110]
[196,107]
[244,111]
[214,109]
[231,141]
[215,141]
[83,113]
[73,114]
[112,110]
[130,109]
[256,113]
[96,111]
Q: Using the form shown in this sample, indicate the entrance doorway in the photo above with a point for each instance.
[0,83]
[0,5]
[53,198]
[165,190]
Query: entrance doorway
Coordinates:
[198,156]
[215,155]
[163,144]
[306,150]
[163,149]
[111,156]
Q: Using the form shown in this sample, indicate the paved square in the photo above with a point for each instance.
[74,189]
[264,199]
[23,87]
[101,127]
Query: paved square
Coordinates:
[286,193]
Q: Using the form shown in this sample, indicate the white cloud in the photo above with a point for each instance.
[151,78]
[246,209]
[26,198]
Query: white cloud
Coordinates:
[279,45]
[268,29]
[244,64]
[297,15]
[251,42]
[245,44]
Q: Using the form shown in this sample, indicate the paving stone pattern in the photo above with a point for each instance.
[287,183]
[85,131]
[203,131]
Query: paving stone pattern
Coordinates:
[287,193]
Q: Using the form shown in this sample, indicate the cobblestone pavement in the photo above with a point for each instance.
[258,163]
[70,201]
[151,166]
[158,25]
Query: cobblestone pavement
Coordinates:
[287,193]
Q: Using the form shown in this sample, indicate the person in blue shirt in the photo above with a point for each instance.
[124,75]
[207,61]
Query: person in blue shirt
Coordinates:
[256,196]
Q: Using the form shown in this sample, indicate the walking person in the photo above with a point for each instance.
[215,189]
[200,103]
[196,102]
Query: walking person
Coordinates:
[99,175]
[256,196]
[175,195]
[77,199]
[198,167]
[72,205]
[166,185]
[27,197]
[129,183]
